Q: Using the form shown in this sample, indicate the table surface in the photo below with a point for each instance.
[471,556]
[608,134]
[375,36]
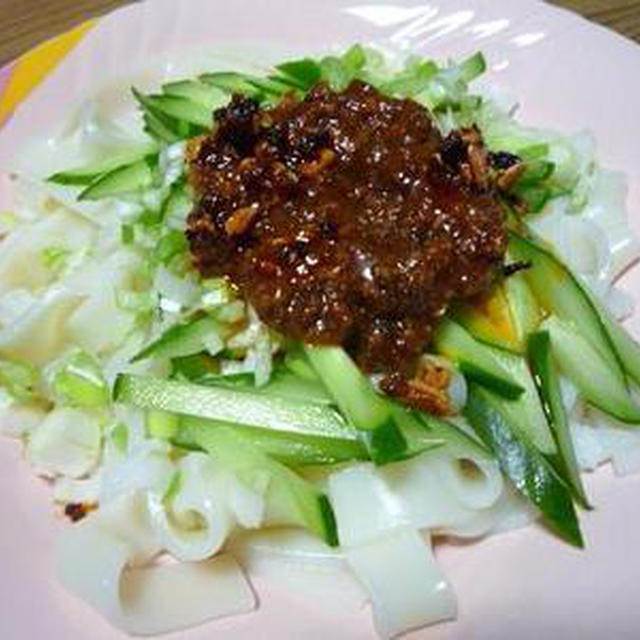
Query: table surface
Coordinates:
[24,23]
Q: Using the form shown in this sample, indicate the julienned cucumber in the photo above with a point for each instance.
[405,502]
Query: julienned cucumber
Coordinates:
[474,359]
[231,82]
[304,72]
[298,364]
[559,292]
[601,384]
[182,109]
[526,412]
[472,67]
[522,463]
[525,312]
[548,384]
[202,369]
[198,92]
[287,385]
[231,405]
[579,333]
[123,180]
[85,175]
[290,500]
[183,339]
[422,428]
[294,449]
[628,349]
[159,125]
[358,401]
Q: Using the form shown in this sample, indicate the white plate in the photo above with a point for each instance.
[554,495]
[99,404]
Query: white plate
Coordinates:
[568,75]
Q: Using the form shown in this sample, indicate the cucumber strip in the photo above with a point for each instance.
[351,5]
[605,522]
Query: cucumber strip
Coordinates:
[282,384]
[474,359]
[422,429]
[523,464]
[287,385]
[182,109]
[297,363]
[627,348]
[291,448]
[532,152]
[161,131]
[559,292]
[202,369]
[231,405]
[534,196]
[548,385]
[123,180]
[158,124]
[352,391]
[290,500]
[231,82]
[526,413]
[198,368]
[180,340]
[206,95]
[83,176]
[525,312]
[304,72]
[411,81]
[358,401]
[601,384]
[272,87]
[162,424]
[472,67]
[536,171]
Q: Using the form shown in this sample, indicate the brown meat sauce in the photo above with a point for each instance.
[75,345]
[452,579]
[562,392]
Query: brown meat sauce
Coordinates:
[346,218]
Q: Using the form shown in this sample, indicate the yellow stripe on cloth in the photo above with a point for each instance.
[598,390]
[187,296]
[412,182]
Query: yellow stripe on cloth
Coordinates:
[33,67]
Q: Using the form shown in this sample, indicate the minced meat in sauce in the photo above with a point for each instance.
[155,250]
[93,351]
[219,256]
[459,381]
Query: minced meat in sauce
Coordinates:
[346,218]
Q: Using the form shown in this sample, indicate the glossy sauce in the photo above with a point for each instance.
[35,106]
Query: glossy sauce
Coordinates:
[346,218]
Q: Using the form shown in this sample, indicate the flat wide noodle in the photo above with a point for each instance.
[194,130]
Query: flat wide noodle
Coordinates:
[165,598]
[387,554]
[446,492]
[102,561]
[197,522]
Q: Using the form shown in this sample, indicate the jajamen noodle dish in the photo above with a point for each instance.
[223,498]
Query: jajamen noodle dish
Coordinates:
[330,311]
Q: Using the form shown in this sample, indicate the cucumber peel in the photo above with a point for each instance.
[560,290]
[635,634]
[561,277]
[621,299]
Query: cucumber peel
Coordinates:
[529,471]
[475,359]
[559,292]
[294,449]
[206,95]
[231,405]
[180,339]
[290,500]
[358,402]
[304,72]
[601,384]
[122,180]
[85,175]
[548,385]
[182,109]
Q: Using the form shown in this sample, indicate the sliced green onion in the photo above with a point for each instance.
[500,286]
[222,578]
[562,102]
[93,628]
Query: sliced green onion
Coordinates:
[77,381]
